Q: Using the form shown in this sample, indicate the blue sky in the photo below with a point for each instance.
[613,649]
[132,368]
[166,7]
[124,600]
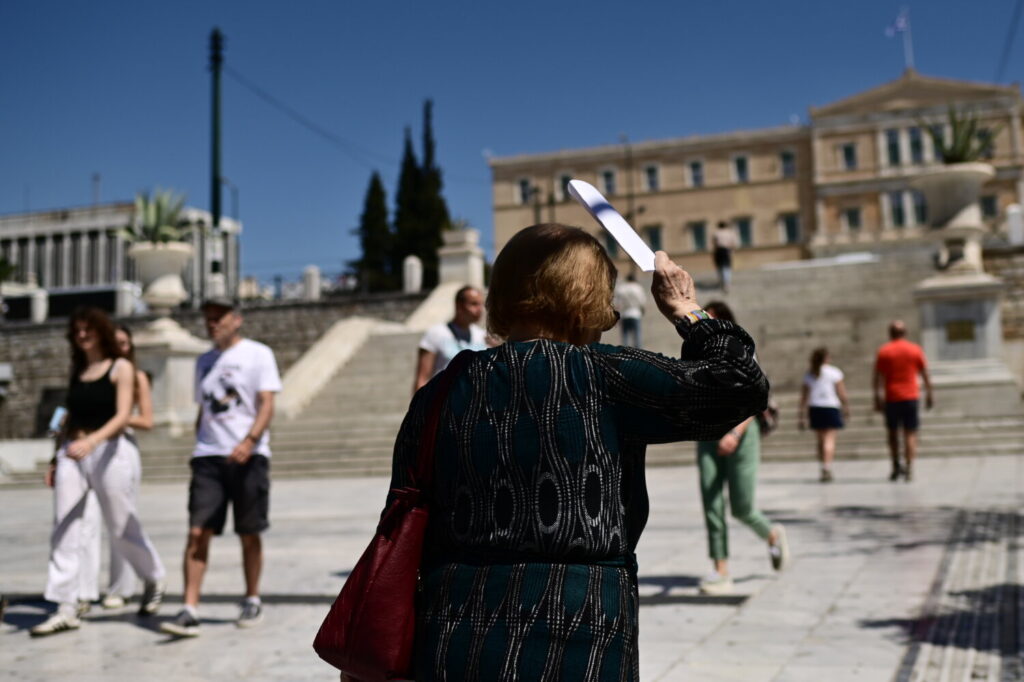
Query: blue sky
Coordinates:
[122,89]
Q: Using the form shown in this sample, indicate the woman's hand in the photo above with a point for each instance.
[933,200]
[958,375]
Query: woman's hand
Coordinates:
[672,288]
[48,477]
[728,444]
[80,448]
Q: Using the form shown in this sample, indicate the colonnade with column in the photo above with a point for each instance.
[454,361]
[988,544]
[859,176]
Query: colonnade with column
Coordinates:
[68,259]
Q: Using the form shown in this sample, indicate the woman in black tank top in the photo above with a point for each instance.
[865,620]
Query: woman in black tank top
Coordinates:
[94,456]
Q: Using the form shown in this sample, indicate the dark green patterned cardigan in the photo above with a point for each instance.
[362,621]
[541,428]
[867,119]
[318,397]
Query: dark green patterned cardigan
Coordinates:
[539,497]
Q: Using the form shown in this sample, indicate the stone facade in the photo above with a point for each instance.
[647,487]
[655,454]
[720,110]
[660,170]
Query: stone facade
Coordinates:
[837,184]
[81,250]
[39,353]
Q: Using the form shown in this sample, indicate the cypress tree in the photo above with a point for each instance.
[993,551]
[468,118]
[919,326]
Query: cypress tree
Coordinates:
[375,268]
[432,206]
[408,221]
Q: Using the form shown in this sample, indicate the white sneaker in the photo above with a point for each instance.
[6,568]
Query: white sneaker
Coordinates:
[779,552]
[113,601]
[716,584]
[58,622]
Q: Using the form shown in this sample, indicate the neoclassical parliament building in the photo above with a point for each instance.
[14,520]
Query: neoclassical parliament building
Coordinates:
[838,183]
[77,255]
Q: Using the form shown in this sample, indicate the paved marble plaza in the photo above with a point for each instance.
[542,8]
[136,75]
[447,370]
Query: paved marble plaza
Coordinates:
[890,581]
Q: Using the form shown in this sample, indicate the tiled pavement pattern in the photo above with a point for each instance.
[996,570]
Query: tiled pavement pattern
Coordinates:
[971,627]
[890,581]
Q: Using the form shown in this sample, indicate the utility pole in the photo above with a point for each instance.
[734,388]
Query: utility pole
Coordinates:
[216,61]
[96,188]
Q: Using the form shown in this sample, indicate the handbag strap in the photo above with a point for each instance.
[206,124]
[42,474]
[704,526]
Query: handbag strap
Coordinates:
[424,477]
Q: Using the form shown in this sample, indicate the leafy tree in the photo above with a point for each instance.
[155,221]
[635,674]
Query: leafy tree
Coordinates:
[375,268]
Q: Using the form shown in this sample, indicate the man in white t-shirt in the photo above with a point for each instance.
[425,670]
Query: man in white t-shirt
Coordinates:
[442,342]
[630,299]
[234,386]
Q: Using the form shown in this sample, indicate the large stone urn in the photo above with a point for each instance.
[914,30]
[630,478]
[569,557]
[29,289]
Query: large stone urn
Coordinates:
[951,194]
[159,267]
[165,350]
[961,325]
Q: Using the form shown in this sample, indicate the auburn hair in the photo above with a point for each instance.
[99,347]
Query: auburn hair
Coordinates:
[555,277]
[99,322]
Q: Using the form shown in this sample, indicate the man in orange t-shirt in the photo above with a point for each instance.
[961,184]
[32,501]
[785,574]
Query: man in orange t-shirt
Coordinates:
[897,365]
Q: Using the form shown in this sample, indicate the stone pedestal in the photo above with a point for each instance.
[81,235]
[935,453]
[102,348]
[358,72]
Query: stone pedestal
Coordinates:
[40,305]
[311,283]
[461,258]
[962,336]
[412,275]
[167,352]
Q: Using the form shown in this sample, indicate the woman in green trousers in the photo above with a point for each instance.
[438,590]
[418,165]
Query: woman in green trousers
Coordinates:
[732,462]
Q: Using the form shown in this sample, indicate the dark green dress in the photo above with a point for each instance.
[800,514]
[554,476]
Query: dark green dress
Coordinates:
[539,497]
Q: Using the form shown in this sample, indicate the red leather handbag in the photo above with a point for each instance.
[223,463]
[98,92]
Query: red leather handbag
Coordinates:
[368,633]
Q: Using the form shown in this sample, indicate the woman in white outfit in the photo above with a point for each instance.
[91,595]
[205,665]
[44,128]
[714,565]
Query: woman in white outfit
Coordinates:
[96,456]
[823,402]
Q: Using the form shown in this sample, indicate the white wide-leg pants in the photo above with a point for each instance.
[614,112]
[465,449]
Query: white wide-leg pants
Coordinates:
[111,471]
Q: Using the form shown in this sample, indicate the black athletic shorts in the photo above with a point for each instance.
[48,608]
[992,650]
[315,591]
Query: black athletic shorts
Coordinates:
[901,414]
[216,482]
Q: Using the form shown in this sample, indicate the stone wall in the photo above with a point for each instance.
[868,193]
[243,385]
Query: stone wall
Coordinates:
[1008,264]
[40,358]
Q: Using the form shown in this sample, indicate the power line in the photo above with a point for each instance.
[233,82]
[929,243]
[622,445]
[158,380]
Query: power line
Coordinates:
[350,149]
[1011,33]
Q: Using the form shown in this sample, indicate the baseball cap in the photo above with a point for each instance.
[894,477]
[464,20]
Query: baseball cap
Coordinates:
[221,302]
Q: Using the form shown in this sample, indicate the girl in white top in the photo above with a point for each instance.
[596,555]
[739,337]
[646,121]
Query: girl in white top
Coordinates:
[823,401]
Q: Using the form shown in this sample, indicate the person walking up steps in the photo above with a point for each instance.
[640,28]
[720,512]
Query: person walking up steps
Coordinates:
[442,342]
[95,455]
[897,366]
[235,387]
[823,401]
[733,461]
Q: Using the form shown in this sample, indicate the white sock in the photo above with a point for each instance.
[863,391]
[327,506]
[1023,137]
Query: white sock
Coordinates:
[191,610]
[254,600]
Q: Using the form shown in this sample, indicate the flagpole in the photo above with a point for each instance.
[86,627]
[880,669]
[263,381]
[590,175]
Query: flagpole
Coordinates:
[908,44]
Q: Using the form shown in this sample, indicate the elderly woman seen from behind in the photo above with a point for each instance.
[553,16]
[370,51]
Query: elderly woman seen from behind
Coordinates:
[539,497]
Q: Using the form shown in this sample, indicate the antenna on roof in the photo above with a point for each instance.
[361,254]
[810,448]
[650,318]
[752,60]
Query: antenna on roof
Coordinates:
[96,179]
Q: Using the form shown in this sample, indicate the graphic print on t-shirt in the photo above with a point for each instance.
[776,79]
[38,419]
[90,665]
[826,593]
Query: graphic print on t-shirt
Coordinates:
[228,384]
[222,399]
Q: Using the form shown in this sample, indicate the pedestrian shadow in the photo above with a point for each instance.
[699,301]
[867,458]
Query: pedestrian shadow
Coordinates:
[987,620]
[666,584]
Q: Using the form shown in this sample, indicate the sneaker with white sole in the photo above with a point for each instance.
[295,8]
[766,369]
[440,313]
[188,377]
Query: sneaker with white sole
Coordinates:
[84,606]
[716,584]
[251,614]
[779,552]
[152,597]
[58,622]
[113,601]
[185,624]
